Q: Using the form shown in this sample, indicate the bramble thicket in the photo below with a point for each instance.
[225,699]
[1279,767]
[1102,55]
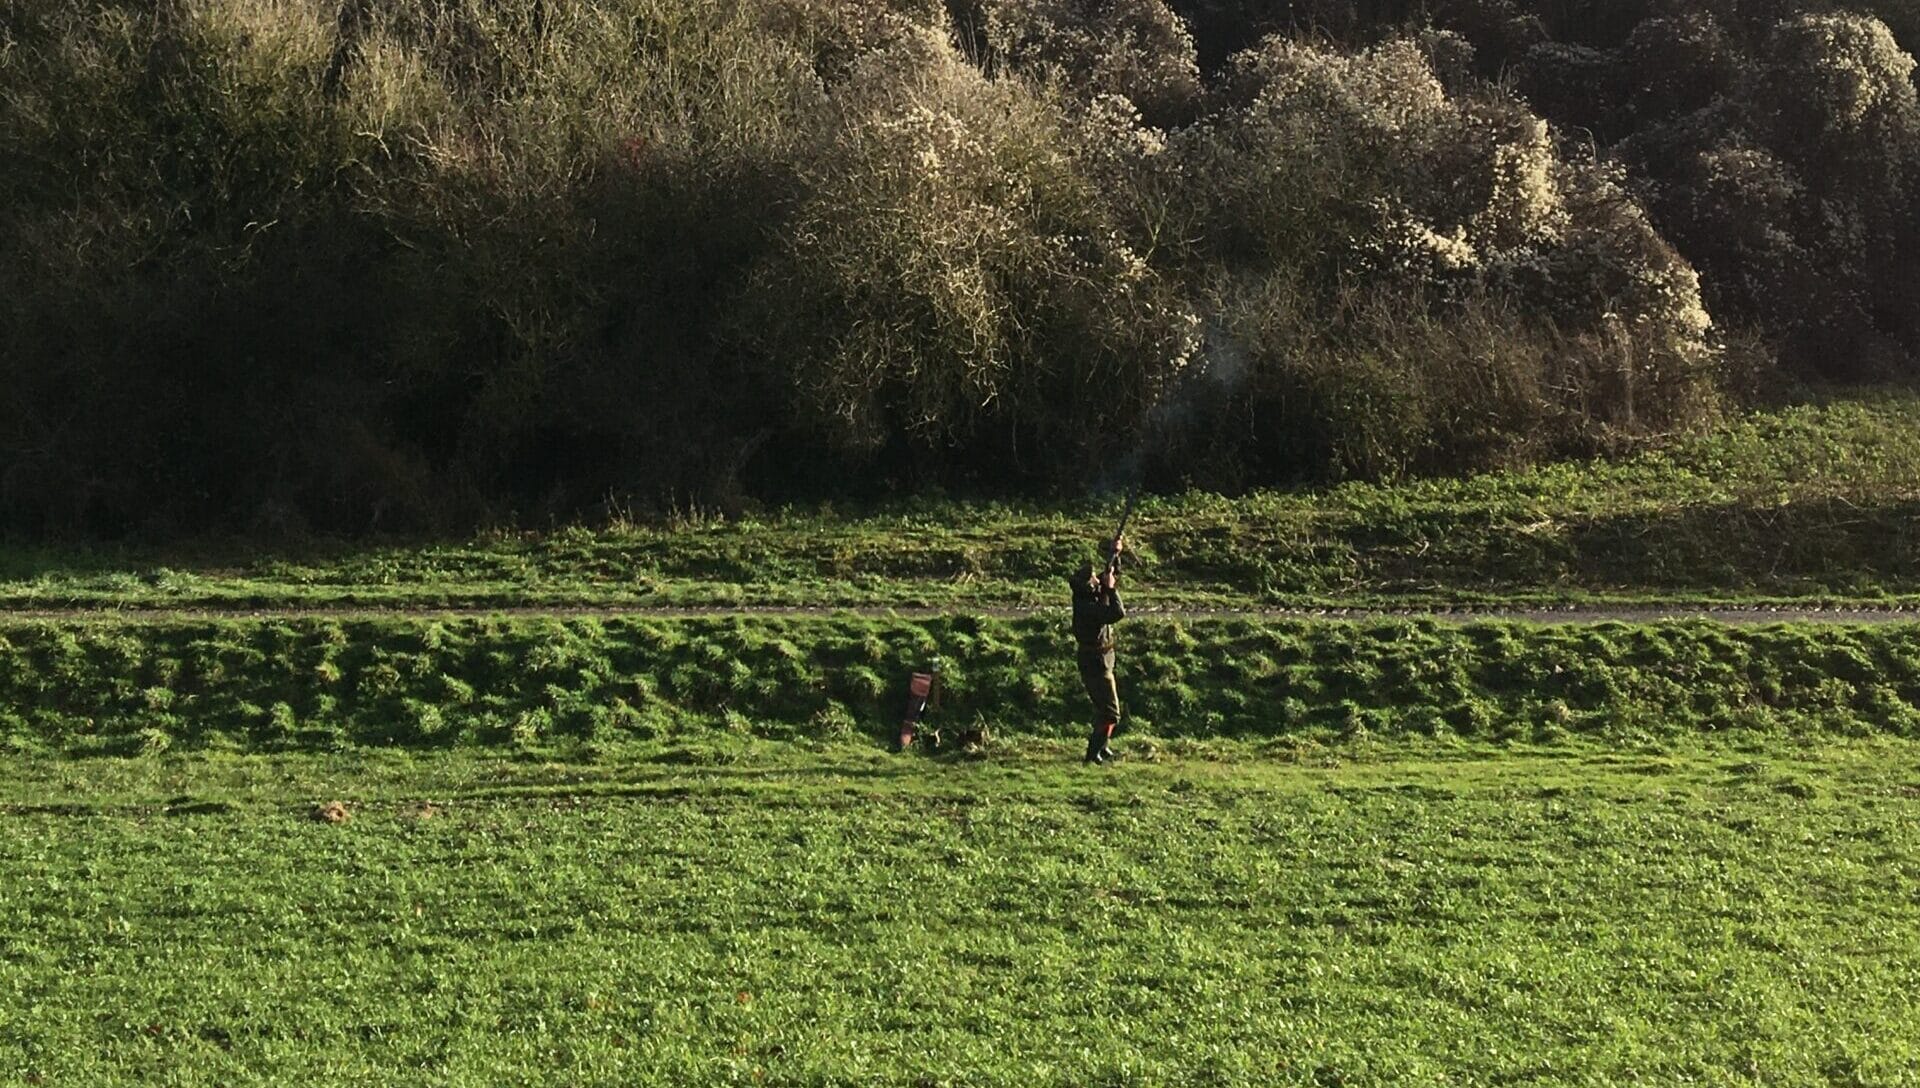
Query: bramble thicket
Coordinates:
[400,265]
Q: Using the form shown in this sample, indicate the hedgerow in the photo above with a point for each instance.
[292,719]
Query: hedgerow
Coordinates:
[378,265]
[131,688]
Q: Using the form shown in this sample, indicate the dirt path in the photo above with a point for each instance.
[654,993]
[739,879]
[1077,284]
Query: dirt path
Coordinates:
[1545,614]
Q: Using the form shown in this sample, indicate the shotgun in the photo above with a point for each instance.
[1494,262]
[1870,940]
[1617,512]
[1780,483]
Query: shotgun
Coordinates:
[1113,543]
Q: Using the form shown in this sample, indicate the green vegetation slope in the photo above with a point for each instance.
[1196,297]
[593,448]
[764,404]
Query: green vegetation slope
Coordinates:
[1812,503]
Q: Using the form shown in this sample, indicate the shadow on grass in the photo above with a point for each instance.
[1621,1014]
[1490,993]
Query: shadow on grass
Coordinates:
[1815,546]
[1827,545]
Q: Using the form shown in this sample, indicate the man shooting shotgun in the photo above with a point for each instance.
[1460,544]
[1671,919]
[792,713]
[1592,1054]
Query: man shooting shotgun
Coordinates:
[1096,608]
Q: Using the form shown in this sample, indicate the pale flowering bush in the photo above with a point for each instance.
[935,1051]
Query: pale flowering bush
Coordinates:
[1405,247]
[1401,218]
[1387,89]
[1525,208]
[1839,83]
[1679,91]
[954,278]
[1790,190]
[1746,218]
[1632,306]
[1838,96]
[1308,149]
[1679,63]
[1114,135]
[1794,191]
[1363,165]
[1577,85]
[835,34]
[1136,49]
[1129,162]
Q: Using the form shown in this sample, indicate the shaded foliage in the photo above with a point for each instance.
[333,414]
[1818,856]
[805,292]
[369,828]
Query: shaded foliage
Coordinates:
[393,265]
[1772,140]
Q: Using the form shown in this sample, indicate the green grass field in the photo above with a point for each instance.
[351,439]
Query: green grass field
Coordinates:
[1815,502]
[1409,914]
[593,849]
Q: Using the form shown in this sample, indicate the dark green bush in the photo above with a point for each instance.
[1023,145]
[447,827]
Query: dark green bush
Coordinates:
[389,265]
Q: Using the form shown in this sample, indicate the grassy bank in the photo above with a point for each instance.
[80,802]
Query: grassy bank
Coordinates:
[1578,917]
[1815,502]
[126,687]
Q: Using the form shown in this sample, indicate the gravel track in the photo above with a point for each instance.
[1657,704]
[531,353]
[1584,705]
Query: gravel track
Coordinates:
[1543,614]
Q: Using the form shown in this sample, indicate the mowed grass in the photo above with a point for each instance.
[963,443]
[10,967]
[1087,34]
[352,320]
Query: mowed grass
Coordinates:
[1816,501]
[1367,916]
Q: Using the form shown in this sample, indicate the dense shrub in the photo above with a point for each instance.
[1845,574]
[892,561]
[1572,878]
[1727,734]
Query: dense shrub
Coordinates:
[1422,280]
[1137,49]
[1776,141]
[1812,96]
[416,264]
[1792,187]
[1678,64]
[395,264]
[1837,99]
[952,282]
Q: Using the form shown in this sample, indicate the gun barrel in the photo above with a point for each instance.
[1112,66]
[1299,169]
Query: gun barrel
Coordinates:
[1126,515]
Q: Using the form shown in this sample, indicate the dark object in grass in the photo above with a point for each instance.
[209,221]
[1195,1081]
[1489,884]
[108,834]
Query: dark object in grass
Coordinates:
[187,806]
[333,812]
[923,694]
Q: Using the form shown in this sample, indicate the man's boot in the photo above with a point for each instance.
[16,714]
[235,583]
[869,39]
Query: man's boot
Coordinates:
[1097,746]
